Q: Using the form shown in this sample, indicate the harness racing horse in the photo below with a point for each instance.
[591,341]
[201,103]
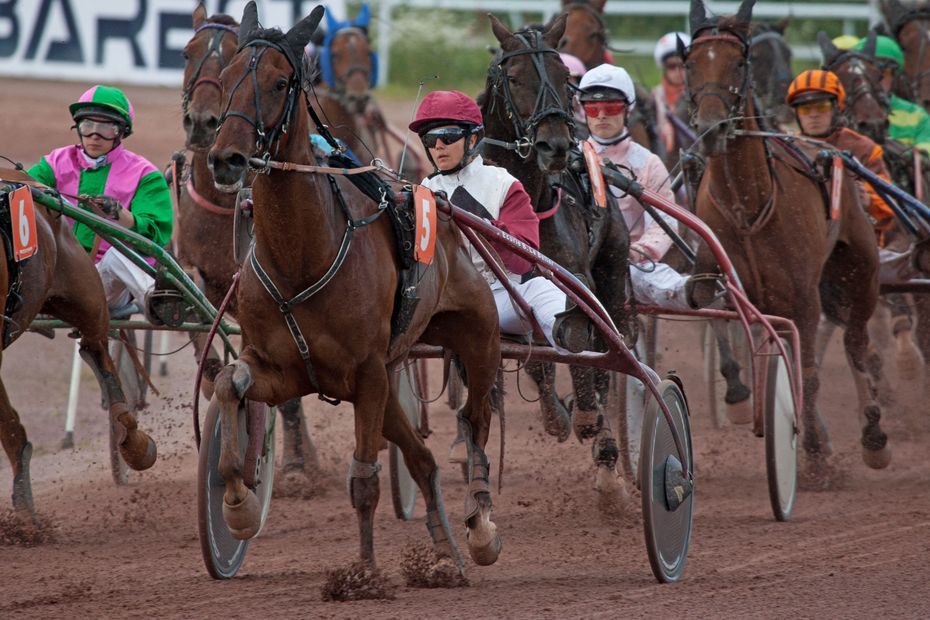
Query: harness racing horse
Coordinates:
[911,27]
[205,214]
[526,108]
[59,279]
[770,214]
[323,274]
[586,37]
[770,58]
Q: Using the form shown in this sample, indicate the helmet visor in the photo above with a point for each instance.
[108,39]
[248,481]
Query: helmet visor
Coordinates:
[446,135]
[104,129]
[594,109]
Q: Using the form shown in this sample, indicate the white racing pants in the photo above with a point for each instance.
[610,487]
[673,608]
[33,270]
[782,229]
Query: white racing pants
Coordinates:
[659,286]
[123,281]
[895,266]
[543,297]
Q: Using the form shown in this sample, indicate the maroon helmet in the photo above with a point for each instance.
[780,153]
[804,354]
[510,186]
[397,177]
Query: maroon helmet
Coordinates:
[446,107]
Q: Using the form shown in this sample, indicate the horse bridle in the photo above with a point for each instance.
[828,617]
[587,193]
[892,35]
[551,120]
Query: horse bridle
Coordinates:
[731,96]
[866,87]
[601,33]
[265,139]
[215,47]
[340,81]
[548,103]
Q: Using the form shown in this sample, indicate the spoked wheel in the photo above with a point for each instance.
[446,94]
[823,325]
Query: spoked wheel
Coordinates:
[223,554]
[403,487]
[133,389]
[781,436]
[667,496]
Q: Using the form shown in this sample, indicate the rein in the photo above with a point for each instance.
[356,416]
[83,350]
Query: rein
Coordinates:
[202,202]
[215,47]
[548,102]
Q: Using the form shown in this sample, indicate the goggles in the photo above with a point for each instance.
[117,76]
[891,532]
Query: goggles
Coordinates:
[673,63]
[104,129]
[814,107]
[446,135]
[606,108]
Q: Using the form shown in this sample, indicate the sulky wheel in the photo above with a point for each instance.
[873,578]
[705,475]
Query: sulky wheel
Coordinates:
[403,487]
[781,435]
[667,496]
[223,554]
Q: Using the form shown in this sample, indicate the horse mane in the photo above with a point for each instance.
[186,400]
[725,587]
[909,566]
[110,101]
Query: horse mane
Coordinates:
[223,19]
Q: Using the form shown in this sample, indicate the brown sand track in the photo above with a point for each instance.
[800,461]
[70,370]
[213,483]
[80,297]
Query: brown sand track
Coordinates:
[133,551]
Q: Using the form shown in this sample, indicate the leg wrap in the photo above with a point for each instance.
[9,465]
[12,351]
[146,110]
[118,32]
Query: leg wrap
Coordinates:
[362,482]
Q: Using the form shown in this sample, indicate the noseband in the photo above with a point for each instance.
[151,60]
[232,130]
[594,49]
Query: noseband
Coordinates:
[548,103]
[265,138]
[732,96]
[215,47]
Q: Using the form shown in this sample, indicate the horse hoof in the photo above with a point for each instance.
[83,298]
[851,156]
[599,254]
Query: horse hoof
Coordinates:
[613,496]
[877,459]
[243,519]
[139,450]
[909,361]
[484,547]
[587,424]
[558,423]
[740,413]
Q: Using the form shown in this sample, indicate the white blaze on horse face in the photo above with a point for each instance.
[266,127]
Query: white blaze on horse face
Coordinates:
[711,56]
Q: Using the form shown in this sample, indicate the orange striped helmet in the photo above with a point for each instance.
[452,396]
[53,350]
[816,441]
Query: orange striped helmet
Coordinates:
[814,84]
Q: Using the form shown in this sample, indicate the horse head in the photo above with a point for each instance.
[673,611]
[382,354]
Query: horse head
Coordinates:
[263,86]
[347,63]
[528,85]
[585,35]
[911,27]
[866,107]
[717,72]
[770,58]
[205,56]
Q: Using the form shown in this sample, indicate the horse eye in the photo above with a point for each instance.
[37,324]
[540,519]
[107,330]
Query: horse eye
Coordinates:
[512,80]
[281,84]
[185,55]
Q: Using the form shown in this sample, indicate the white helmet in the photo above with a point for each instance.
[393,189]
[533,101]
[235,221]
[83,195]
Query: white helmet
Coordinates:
[668,46]
[607,77]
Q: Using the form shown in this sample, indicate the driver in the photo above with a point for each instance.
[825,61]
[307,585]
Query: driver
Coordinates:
[118,184]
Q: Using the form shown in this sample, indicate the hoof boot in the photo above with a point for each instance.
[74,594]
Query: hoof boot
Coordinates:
[139,450]
[877,459]
[243,519]
[741,412]
[487,553]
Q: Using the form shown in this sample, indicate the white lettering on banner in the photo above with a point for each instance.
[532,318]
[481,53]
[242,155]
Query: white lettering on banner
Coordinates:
[130,41]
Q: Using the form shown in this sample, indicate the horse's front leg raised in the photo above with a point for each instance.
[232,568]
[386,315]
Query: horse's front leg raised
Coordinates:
[555,415]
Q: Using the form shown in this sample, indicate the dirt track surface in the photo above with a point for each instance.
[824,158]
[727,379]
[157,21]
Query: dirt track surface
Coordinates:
[133,551]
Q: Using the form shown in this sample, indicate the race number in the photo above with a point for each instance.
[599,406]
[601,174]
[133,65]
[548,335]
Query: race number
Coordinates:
[425,204]
[836,188]
[598,188]
[23,220]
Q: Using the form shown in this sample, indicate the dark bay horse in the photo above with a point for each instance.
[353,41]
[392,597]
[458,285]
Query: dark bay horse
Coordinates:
[587,38]
[910,25]
[527,102]
[60,280]
[205,214]
[318,239]
[770,58]
[769,214]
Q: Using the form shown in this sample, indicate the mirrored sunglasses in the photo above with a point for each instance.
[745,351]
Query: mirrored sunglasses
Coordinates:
[814,107]
[605,108]
[448,135]
[103,129]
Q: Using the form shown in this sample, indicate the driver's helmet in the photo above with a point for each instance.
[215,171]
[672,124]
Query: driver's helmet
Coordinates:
[447,107]
[668,46]
[106,102]
[816,84]
[606,82]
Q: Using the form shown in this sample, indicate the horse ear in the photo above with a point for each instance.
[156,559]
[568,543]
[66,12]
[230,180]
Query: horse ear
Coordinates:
[698,16]
[249,22]
[199,16]
[364,17]
[782,25]
[827,48]
[554,31]
[598,5]
[744,14]
[298,36]
[501,33]
[894,12]
[566,3]
[870,39]
[682,48]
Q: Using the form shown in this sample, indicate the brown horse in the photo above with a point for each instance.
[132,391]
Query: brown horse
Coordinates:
[587,38]
[769,214]
[60,280]
[205,213]
[911,27]
[314,227]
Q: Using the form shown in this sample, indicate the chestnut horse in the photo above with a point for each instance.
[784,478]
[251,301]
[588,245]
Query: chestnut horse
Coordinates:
[769,213]
[911,27]
[205,222]
[526,102]
[586,37]
[60,280]
[318,229]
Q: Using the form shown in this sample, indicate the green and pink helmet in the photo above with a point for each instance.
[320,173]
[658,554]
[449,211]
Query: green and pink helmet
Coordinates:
[107,102]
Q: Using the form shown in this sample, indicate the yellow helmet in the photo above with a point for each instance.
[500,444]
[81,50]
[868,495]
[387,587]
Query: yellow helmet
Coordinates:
[845,41]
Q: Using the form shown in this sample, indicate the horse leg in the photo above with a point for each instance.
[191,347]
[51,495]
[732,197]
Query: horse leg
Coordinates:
[212,365]
[556,414]
[922,332]
[737,395]
[300,455]
[19,451]
[908,359]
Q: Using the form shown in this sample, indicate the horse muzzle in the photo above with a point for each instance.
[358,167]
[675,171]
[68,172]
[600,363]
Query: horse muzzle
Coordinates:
[229,169]
[200,129]
[552,154]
